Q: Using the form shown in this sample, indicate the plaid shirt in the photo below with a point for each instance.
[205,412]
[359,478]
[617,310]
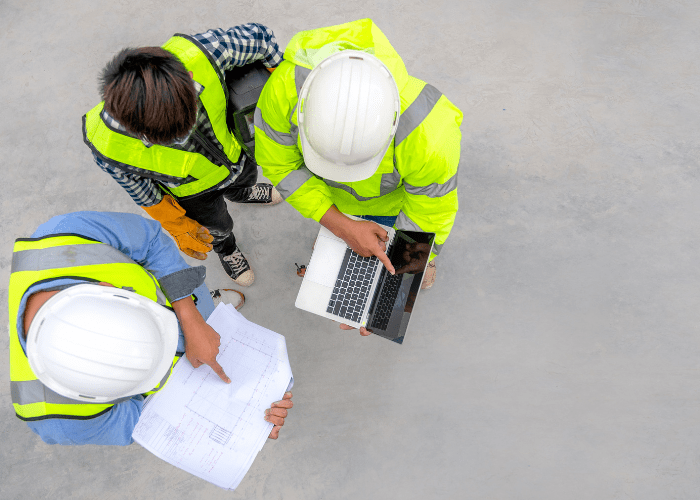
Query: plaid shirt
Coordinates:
[236,46]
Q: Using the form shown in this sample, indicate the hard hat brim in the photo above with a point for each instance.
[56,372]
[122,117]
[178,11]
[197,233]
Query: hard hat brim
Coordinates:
[335,172]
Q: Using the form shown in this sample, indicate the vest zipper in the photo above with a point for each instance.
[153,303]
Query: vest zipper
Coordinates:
[211,149]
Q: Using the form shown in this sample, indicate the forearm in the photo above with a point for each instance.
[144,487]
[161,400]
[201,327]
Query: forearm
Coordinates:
[187,314]
[337,223]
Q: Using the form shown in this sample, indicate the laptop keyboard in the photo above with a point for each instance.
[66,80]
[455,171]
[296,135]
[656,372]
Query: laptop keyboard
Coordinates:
[351,290]
[385,302]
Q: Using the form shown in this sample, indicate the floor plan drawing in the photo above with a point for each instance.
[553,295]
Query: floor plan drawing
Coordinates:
[207,427]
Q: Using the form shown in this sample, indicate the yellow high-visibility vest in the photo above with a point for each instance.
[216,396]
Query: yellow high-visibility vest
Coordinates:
[194,172]
[56,257]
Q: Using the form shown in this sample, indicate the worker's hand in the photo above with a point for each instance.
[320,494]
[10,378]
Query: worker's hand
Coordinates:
[363,331]
[367,238]
[195,244]
[191,237]
[277,413]
[415,257]
[201,340]
[202,346]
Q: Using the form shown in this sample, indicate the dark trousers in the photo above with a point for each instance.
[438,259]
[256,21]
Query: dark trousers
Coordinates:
[209,209]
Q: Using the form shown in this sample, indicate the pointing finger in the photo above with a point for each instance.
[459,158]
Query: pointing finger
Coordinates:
[384,258]
[219,371]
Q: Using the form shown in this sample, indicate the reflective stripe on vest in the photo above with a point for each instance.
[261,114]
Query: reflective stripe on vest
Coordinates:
[434,190]
[194,171]
[293,181]
[55,257]
[416,112]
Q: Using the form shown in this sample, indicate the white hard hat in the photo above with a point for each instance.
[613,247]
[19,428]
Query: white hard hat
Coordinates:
[97,343]
[348,112]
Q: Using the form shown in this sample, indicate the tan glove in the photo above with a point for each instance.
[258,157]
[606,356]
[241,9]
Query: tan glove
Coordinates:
[192,238]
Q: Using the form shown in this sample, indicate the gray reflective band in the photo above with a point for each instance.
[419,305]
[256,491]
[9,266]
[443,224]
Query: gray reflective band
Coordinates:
[433,190]
[282,138]
[300,74]
[67,256]
[437,248]
[389,182]
[293,129]
[33,391]
[160,296]
[403,222]
[293,181]
[416,112]
[75,256]
[162,381]
[349,190]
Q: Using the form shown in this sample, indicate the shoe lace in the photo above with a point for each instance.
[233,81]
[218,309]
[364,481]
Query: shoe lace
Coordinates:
[261,193]
[237,262]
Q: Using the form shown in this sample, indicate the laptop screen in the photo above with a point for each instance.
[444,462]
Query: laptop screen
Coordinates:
[395,295]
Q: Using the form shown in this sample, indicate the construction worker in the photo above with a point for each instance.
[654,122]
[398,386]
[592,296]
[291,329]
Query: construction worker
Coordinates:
[92,331]
[161,133]
[341,128]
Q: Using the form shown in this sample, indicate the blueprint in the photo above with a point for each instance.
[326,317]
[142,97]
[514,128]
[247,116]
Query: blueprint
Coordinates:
[209,428]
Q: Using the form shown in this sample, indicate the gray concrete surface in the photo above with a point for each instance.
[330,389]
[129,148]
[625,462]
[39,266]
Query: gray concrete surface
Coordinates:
[556,357]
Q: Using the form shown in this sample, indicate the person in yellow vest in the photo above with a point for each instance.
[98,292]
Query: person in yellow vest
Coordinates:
[101,306]
[341,128]
[161,133]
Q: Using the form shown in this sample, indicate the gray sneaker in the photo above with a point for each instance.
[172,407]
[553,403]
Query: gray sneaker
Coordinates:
[237,267]
[227,296]
[265,194]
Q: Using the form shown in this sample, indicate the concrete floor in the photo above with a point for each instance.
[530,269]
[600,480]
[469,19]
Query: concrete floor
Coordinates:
[557,355]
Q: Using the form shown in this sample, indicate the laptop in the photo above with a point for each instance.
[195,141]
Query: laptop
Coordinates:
[359,291]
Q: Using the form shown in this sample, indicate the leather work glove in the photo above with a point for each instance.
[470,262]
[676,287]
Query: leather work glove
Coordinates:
[192,238]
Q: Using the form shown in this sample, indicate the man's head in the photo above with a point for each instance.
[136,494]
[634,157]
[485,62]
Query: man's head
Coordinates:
[98,343]
[149,91]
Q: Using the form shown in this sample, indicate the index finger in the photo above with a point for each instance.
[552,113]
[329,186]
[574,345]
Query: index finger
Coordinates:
[219,371]
[384,258]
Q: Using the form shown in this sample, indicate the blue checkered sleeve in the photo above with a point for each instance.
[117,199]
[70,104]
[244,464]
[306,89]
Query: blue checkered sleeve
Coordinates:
[241,45]
[144,191]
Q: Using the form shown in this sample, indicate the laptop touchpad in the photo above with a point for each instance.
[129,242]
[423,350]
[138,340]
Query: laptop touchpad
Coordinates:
[326,261]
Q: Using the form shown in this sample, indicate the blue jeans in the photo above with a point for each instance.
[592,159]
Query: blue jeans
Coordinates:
[384,220]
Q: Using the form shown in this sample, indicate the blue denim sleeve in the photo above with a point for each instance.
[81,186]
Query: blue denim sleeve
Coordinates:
[141,239]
